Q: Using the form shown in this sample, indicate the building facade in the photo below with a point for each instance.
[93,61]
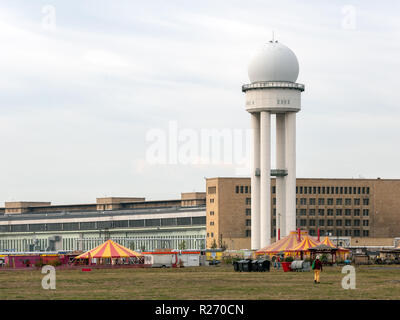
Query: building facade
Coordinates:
[133,222]
[357,211]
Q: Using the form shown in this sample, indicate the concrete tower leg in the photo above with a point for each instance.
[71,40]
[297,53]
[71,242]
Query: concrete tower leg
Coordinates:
[280,181]
[265,183]
[291,167]
[255,183]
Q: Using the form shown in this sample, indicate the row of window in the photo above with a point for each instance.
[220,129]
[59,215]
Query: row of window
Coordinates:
[339,233]
[330,212]
[332,190]
[330,222]
[243,189]
[321,212]
[321,223]
[99,225]
[314,190]
[330,201]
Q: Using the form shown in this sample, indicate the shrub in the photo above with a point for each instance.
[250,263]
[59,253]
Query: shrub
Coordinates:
[289,259]
[39,264]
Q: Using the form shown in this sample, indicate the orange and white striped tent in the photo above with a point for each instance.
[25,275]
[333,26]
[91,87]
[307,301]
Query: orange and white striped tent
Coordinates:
[307,243]
[284,245]
[109,249]
[329,243]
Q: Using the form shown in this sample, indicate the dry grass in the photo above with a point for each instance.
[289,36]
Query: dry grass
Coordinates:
[203,283]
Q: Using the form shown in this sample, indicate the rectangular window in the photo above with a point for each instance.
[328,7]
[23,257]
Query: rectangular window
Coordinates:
[337,190]
[321,201]
[339,233]
[248,212]
[339,201]
[274,201]
[303,201]
[330,212]
[195,221]
[323,190]
[367,190]
[365,223]
[365,212]
[347,201]
[330,202]
[301,190]
[356,222]
[211,200]
[312,232]
[303,212]
[319,190]
[311,212]
[314,190]
[248,222]
[347,233]
[329,222]
[356,212]
[345,190]
[241,189]
[237,189]
[212,190]
[303,222]
[338,223]
[366,202]
[274,189]
[181,221]
[338,212]
[312,201]
[246,189]
[248,201]
[347,222]
[321,212]
[365,233]
[356,233]
[357,201]
[321,223]
[248,233]
[312,222]
[347,212]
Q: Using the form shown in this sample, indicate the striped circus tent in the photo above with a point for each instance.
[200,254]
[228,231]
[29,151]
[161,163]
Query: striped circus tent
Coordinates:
[109,249]
[307,243]
[284,245]
[329,243]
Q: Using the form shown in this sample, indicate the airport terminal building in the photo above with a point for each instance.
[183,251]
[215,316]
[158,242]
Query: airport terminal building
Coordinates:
[133,222]
[354,212]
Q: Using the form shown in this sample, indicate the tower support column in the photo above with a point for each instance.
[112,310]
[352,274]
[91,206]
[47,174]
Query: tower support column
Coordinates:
[290,184]
[280,180]
[255,182]
[265,181]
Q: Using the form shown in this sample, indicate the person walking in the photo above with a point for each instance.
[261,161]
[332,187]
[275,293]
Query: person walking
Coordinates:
[317,267]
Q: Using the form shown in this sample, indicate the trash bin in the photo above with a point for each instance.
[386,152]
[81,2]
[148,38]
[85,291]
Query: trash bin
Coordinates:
[254,265]
[264,265]
[245,265]
[235,265]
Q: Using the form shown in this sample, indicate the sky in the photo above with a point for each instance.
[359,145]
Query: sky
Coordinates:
[90,90]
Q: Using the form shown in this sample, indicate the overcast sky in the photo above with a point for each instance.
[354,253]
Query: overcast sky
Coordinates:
[82,84]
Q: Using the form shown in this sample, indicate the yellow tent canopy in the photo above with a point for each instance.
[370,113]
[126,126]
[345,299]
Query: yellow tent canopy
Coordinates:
[109,249]
[284,245]
[306,244]
[329,243]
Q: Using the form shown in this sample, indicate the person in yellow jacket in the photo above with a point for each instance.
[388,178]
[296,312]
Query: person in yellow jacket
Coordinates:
[317,267]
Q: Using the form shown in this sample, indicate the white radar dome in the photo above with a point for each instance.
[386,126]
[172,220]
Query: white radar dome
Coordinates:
[274,62]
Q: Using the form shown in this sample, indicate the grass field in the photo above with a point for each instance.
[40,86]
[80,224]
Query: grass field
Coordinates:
[205,283]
